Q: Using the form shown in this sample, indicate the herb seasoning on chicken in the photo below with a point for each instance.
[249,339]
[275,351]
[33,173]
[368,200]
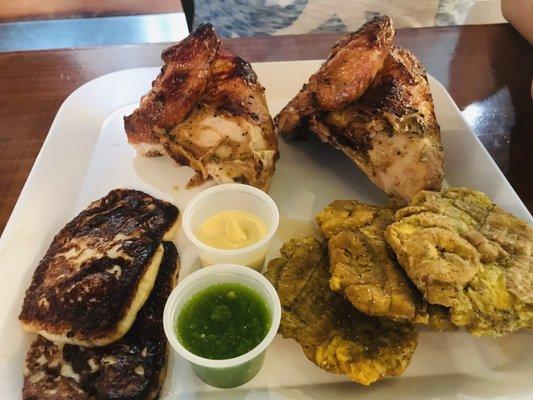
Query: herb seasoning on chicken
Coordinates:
[207,110]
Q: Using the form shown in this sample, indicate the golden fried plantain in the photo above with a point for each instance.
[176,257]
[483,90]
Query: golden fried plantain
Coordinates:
[332,333]
[464,252]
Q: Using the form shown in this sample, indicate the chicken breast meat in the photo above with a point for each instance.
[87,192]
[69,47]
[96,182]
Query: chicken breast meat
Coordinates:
[175,92]
[333,334]
[207,110]
[389,129]
[464,252]
[391,133]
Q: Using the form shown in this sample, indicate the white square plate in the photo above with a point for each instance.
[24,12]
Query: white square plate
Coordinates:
[86,154]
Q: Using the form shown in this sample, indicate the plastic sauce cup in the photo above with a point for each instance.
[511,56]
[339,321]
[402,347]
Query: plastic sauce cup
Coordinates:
[225,197]
[234,371]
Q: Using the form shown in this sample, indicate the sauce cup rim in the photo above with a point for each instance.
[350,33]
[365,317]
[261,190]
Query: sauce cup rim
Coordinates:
[170,314]
[226,187]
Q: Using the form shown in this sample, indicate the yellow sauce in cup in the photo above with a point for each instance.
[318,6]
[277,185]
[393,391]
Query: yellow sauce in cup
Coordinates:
[233,229]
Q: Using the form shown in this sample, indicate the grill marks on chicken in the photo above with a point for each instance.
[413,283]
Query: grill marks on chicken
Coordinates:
[352,65]
[229,136]
[175,91]
[389,129]
[207,110]
[392,133]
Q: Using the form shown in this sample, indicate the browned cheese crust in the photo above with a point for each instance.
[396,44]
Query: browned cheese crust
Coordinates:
[99,269]
[131,368]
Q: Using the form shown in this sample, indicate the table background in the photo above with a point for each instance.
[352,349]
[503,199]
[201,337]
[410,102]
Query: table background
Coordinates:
[486,68]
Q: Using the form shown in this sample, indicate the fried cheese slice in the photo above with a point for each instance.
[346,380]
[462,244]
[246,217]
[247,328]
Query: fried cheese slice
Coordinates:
[131,368]
[99,270]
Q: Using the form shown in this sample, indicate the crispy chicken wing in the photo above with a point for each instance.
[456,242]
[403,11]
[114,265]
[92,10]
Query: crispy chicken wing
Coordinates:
[332,333]
[353,63]
[466,253]
[220,124]
[175,92]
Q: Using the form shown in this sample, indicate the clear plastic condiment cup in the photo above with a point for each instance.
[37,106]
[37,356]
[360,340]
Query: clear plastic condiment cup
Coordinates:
[234,371]
[225,197]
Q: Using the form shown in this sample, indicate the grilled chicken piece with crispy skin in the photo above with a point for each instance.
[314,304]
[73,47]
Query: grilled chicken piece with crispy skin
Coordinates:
[391,132]
[382,118]
[352,65]
[229,136]
[207,110]
[175,92]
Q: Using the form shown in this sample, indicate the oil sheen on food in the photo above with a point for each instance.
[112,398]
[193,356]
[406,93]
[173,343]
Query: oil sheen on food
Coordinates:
[223,321]
[233,229]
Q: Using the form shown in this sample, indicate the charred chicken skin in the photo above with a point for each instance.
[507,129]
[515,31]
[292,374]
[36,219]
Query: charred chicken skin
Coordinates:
[207,110]
[352,65]
[387,127]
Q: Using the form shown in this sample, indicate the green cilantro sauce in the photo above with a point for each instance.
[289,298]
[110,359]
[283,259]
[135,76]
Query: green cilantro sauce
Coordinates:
[223,321]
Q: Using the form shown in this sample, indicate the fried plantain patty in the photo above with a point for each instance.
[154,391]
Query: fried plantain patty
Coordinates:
[332,333]
[362,265]
[466,253]
[99,270]
[131,368]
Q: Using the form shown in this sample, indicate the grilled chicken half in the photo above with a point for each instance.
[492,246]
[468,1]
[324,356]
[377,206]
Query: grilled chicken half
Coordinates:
[390,131]
[207,110]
